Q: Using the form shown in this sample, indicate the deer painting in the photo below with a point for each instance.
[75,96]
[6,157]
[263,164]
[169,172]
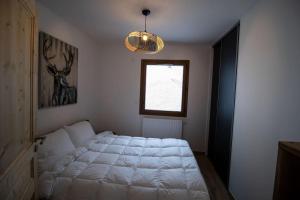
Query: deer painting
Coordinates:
[63,93]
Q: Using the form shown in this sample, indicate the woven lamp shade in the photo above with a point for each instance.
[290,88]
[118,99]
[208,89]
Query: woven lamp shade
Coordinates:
[144,42]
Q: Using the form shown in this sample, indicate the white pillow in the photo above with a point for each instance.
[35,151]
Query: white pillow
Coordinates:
[80,133]
[56,145]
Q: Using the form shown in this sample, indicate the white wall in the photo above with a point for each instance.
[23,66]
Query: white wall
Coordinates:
[52,118]
[119,89]
[268,96]
[109,84]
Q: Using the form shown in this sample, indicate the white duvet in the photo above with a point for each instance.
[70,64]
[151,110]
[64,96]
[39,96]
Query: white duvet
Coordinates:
[111,167]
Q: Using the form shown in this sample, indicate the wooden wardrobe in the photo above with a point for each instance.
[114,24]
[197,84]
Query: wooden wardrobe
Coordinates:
[223,102]
[18,77]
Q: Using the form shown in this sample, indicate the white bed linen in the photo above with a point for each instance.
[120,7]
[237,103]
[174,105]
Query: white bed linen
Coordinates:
[114,167]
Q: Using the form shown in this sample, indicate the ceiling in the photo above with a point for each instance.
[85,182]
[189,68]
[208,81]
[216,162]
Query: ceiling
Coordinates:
[201,21]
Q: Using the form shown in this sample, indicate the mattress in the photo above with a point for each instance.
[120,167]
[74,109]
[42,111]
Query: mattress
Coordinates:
[111,167]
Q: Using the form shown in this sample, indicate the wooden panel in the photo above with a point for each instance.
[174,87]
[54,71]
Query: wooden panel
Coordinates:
[30,191]
[14,185]
[16,82]
[18,79]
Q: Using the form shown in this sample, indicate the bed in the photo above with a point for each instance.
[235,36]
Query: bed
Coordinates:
[74,163]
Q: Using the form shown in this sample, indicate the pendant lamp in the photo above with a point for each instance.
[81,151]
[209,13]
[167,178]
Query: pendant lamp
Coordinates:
[143,41]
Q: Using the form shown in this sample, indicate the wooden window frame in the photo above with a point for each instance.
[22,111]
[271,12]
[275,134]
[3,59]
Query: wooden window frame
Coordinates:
[184,98]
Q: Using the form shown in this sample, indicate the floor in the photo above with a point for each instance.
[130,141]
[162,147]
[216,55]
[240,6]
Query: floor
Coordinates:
[215,186]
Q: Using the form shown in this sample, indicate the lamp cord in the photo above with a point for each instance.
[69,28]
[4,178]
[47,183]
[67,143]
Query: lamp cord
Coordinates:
[145,23]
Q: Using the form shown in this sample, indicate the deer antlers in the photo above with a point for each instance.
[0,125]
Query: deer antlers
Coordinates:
[68,56]
[68,60]
[47,45]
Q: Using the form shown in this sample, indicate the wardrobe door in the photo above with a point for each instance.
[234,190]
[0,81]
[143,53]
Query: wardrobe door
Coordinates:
[214,100]
[17,98]
[223,115]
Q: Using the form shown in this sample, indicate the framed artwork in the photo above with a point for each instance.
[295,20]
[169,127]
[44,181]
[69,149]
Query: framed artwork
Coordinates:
[58,68]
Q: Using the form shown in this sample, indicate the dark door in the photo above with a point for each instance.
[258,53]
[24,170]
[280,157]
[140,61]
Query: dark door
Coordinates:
[214,100]
[222,103]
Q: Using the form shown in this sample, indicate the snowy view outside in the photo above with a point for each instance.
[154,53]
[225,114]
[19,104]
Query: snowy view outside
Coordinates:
[164,87]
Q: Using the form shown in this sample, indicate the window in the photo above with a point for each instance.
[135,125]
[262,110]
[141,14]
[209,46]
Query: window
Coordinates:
[164,87]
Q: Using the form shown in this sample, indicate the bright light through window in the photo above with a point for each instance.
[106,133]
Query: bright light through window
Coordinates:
[164,87]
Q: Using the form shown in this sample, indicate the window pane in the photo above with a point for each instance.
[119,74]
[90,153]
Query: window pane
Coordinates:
[164,87]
